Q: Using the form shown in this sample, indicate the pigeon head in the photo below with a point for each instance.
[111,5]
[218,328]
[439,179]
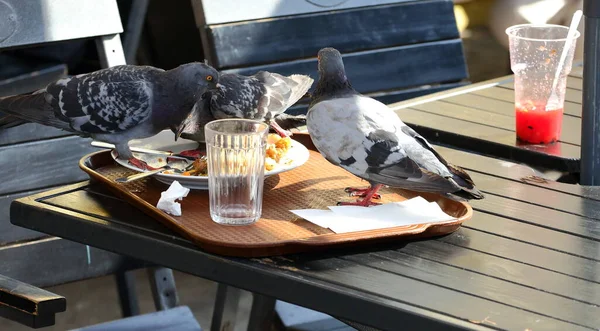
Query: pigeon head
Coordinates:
[192,127]
[333,82]
[331,64]
[195,78]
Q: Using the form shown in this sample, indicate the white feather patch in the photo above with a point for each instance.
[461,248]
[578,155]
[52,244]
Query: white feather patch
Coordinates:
[340,127]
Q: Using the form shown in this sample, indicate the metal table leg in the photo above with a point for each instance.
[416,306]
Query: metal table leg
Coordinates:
[262,313]
[226,307]
[127,295]
[590,117]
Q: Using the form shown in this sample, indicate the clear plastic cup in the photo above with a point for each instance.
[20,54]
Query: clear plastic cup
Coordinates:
[535,50]
[236,164]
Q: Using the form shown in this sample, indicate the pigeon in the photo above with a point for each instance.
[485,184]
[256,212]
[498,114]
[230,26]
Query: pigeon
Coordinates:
[116,104]
[193,129]
[263,96]
[366,138]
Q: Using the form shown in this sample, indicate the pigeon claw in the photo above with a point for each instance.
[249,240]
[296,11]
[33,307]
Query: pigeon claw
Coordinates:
[366,195]
[361,192]
[281,131]
[140,164]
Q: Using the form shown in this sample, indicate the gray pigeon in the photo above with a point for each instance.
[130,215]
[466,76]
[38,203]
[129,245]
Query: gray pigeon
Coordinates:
[117,104]
[366,138]
[263,96]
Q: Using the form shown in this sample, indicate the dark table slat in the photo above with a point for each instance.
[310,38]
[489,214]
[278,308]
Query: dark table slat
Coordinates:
[93,207]
[513,171]
[526,260]
[526,253]
[423,293]
[504,94]
[335,298]
[500,268]
[543,237]
[532,195]
[510,294]
[541,217]
[102,205]
[497,97]
[500,106]
[468,114]
[571,125]
[64,201]
[573,83]
[489,140]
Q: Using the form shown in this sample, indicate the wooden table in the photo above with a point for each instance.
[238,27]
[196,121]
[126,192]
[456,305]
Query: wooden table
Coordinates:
[481,118]
[527,260]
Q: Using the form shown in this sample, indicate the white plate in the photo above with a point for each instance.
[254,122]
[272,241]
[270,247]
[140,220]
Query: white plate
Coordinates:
[164,141]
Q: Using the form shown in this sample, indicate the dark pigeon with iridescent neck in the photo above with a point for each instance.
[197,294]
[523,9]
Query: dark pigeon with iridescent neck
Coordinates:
[264,96]
[117,104]
[365,137]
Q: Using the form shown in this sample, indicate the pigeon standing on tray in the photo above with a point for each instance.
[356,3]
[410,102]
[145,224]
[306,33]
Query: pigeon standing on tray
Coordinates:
[365,137]
[263,96]
[117,104]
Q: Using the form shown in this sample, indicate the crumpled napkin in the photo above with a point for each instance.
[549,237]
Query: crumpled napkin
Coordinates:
[167,201]
[341,219]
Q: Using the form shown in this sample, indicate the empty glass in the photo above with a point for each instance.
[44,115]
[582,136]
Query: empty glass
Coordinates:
[535,50]
[236,165]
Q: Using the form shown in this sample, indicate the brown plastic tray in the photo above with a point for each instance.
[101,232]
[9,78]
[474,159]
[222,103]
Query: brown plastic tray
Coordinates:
[316,184]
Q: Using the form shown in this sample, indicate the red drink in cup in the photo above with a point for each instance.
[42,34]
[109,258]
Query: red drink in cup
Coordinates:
[535,51]
[537,125]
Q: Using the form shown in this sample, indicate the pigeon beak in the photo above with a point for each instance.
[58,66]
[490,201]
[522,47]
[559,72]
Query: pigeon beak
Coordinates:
[180,130]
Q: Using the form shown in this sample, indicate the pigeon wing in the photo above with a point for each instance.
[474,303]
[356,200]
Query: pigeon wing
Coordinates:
[281,92]
[237,97]
[104,101]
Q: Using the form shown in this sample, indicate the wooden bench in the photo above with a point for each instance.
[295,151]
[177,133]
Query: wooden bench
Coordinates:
[393,50]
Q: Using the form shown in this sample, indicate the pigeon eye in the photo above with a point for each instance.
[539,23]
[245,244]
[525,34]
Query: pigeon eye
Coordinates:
[209,78]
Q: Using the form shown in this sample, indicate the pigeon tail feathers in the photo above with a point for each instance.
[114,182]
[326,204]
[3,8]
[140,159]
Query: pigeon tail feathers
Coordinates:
[31,108]
[464,181]
[8,121]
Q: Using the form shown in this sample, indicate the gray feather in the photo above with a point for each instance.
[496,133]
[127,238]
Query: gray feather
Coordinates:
[373,143]
[116,104]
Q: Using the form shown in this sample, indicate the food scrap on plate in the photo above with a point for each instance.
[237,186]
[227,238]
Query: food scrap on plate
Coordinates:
[277,149]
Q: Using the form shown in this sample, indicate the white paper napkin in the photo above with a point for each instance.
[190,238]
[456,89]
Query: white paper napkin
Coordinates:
[167,201]
[341,219]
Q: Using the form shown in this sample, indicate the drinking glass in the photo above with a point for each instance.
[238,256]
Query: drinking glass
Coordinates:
[236,164]
[535,50]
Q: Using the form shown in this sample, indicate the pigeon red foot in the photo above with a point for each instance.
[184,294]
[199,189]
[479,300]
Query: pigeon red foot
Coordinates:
[366,197]
[280,131]
[361,192]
